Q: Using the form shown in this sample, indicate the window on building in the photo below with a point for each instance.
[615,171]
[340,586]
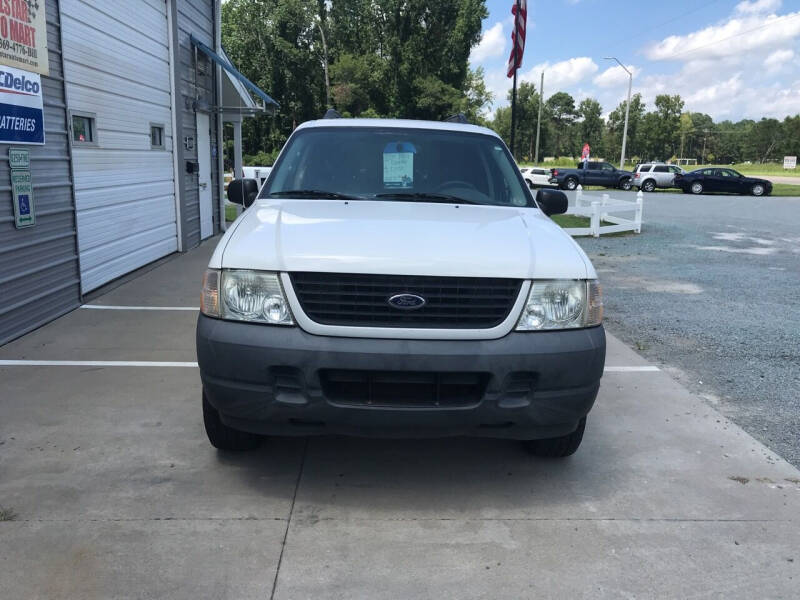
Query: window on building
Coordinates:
[84,129]
[156,136]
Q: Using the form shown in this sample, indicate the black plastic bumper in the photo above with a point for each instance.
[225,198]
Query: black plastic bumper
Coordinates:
[266,379]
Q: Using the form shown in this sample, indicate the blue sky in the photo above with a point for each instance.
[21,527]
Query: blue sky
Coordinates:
[730,59]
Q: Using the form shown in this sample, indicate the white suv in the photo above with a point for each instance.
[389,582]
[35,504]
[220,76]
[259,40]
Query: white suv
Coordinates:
[649,176]
[398,278]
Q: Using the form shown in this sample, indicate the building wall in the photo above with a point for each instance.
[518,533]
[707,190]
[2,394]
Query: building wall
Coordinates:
[196,91]
[117,67]
[39,273]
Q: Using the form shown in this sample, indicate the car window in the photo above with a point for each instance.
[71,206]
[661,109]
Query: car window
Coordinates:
[607,167]
[369,161]
[645,168]
[539,171]
[660,169]
[725,173]
[594,166]
[708,172]
[673,169]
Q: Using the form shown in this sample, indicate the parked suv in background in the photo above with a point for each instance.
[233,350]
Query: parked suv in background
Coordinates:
[536,177]
[398,278]
[649,176]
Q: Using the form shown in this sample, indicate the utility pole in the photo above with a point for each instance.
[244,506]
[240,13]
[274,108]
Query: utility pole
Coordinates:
[539,118]
[627,109]
[325,64]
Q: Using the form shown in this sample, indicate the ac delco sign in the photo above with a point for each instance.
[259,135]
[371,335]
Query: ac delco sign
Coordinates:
[23,35]
[21,107]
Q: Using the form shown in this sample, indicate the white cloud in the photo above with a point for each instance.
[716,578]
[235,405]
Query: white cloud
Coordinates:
[734,37]
[562,75]
[757,7]
[614,76]
[778,59]
[492,44]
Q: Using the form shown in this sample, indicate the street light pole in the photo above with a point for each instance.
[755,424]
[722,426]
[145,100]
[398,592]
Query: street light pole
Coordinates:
[539,118]
[627,109]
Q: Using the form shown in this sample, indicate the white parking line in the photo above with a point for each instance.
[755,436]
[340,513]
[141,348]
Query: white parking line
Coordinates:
[114,307]
[95,363]
[153,363]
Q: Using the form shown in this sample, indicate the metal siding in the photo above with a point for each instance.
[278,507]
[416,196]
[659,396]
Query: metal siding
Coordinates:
[195,17]
[39,265]
[117,65]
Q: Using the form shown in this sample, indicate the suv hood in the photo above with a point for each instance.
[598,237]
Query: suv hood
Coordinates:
[404,238]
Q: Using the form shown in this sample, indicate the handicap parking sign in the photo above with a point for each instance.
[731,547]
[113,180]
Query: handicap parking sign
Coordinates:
[22,193]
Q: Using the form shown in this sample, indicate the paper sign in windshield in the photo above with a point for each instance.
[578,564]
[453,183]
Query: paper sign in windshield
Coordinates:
[398,165]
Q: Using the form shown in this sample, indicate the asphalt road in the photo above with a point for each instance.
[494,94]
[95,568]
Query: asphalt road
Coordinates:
[711,287]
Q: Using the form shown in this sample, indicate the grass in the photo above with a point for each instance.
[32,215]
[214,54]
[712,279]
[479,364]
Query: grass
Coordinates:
[577,221]
[230,212]
[7,514]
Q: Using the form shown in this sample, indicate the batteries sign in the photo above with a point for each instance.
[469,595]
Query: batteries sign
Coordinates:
[21,107]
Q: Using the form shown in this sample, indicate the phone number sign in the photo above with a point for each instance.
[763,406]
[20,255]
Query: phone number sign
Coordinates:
[23,35]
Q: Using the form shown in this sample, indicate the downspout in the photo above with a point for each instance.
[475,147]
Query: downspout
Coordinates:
[220,162]
[177,144]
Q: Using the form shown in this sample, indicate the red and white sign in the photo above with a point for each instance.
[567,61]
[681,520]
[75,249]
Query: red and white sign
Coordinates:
[586,152]
[23,35]
[517,36]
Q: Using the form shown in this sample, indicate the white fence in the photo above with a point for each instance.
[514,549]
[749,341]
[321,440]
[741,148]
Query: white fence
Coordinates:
[605,210]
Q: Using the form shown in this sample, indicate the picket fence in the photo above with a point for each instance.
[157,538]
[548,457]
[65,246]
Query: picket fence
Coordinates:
[605,210]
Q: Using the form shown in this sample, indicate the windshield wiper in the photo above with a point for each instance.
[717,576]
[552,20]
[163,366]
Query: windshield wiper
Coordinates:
[313,194]
[426,197]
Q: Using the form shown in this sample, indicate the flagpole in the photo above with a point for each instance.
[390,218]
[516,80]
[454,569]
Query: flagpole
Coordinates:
[514,90]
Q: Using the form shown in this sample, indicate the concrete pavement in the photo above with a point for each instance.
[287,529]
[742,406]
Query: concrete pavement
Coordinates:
[118,494]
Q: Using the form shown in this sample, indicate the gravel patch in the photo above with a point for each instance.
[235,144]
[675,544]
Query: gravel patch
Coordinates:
[712,288]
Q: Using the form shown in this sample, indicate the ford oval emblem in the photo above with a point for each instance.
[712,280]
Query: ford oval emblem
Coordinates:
[406,301]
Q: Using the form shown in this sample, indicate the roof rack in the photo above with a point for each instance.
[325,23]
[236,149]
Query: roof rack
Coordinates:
[332,114]
[457,118]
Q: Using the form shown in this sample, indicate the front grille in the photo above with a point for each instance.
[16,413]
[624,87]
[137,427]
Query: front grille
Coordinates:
[362,300]
[403,388]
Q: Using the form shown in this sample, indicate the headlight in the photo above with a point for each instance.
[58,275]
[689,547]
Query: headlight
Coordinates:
[562,304]
[242,295]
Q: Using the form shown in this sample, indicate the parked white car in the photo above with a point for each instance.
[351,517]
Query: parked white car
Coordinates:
[260,174]
[536,177]
[398,278]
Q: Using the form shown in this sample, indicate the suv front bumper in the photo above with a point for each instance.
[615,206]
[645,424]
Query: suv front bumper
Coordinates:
[267,379]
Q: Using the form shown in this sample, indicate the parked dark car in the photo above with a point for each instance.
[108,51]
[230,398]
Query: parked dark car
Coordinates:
[722,180]
[591,173]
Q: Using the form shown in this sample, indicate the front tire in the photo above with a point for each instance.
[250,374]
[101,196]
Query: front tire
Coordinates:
[625,184]
[223,437]
[570,183]
[649,186]
[757,190]
[559,447]
[697,188]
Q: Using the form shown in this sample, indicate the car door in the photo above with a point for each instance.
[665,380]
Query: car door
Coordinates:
[607,175]
[673,170]
[662,175]
[711,180]
[729,181]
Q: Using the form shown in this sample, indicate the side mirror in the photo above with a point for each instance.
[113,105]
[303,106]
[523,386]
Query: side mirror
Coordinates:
[243,191]
[552,202]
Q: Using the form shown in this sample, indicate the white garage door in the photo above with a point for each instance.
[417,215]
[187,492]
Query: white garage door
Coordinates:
[116,65]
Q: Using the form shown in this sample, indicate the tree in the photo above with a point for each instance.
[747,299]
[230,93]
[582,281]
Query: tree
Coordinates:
[668,116]
[562,115]
[592,125]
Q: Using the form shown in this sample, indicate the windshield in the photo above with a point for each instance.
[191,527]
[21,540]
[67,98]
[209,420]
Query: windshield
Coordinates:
[397,164]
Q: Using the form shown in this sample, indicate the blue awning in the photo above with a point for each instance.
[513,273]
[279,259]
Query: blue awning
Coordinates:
[233,71]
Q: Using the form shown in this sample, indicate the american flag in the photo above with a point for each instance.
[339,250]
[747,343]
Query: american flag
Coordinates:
[520,12]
